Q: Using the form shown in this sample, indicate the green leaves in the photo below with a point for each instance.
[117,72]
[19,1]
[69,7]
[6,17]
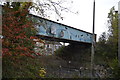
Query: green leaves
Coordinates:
[17,30]
[107,47]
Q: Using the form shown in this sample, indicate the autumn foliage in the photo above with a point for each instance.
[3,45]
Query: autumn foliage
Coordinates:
[18,32]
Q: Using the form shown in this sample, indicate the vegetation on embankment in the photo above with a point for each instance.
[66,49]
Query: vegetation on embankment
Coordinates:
[27,67]
[20,67]
[75,53]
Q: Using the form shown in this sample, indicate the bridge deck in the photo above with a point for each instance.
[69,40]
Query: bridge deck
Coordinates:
[51,30]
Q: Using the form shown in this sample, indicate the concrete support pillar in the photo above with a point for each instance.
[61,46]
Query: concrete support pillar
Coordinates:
[64,43]
[53,48]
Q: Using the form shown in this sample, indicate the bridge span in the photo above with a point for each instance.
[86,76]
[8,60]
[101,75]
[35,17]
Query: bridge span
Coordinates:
[51,30]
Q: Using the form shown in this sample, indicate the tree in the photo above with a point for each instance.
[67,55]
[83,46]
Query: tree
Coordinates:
[18,31]
[113,30]
[45,8]
[113,40]
[107,47]
[110,40]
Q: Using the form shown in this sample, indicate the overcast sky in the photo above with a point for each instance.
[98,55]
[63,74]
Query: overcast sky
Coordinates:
[83,20]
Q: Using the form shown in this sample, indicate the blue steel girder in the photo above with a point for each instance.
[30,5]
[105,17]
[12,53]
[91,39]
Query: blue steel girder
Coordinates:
[50,29]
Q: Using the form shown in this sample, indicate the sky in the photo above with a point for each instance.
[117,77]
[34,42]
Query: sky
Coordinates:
[84,19]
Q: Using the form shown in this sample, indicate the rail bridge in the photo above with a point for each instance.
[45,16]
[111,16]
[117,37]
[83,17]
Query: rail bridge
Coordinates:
[53,31]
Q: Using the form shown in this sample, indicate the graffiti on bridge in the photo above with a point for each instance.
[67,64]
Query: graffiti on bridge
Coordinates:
[53,29]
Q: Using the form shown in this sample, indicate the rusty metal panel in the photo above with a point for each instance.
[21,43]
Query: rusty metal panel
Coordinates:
[53,29]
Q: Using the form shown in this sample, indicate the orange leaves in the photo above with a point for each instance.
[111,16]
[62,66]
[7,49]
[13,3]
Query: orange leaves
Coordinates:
[19,34]
[5,50]
[36,39]
[38,54]
[18,37]
[22,48]
[25,48]
[32,37]
[16,31]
